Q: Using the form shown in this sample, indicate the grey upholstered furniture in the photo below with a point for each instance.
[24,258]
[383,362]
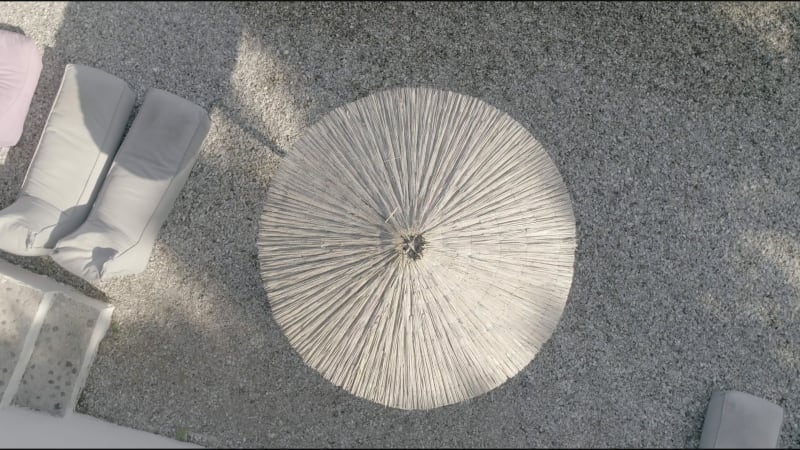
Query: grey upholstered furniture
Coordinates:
[77,145]
[148,173]
[740,420]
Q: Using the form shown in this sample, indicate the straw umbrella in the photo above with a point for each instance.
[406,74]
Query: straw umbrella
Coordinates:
[417,247]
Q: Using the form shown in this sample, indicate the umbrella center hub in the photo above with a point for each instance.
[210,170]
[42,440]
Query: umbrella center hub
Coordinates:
[412,246]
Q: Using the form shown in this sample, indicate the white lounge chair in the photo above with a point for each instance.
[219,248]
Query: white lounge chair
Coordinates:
[20,67]
[148,173]
[80,138]
[740,420]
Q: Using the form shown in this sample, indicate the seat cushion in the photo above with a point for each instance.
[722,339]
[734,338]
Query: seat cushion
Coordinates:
[26,226]
[147,175]
[77,146]
[20,67]
[740,420]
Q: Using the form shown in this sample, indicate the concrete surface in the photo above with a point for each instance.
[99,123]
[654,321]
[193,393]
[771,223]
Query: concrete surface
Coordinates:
[674,125]
[49,335]
[19,305]
[22,428]
[54,377]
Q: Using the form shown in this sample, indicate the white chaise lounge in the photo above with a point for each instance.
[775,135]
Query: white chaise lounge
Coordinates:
[20,67]
[79,140]
[148,173]
[740,420]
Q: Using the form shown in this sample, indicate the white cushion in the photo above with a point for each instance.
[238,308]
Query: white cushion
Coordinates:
[20,67]
[80,138]
[147,175]
[740,420]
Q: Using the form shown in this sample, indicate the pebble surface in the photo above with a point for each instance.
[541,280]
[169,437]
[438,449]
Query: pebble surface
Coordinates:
[675,127]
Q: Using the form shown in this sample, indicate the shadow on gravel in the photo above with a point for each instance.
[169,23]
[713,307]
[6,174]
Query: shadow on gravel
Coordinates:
[12,28]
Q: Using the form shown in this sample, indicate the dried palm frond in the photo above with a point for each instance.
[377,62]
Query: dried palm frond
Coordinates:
[417,247]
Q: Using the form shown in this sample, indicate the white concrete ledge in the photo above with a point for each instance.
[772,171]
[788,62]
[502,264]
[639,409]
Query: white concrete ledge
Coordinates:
[21,428]
[68,313]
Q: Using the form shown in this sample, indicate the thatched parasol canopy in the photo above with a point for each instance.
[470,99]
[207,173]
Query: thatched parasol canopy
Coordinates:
[417,247]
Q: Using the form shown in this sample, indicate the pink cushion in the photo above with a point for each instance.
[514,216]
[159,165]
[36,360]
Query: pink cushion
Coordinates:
[20,66]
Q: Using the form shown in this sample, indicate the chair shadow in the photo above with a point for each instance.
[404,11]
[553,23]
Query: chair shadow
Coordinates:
[12,28]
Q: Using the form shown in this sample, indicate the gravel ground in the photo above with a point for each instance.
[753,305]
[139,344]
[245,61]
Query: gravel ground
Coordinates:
[675,127]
